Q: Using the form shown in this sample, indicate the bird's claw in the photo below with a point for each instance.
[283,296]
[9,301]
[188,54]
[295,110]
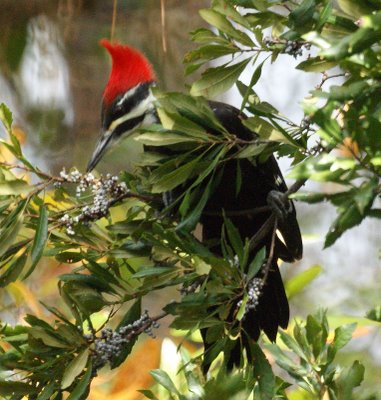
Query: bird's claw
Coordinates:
[279,203]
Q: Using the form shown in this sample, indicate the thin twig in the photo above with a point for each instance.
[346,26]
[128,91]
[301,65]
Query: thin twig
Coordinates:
[271,253]
[27,169]
[146,325]
[294,187]
[163,33]
[326,77]
[263,231]
[113,23]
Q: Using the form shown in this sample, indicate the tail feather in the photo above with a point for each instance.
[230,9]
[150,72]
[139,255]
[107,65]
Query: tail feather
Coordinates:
[271,313]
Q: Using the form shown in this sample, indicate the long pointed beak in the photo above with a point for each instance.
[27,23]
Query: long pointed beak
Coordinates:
[100,149]
[106,142]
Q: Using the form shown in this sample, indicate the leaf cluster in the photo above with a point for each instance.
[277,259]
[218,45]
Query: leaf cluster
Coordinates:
[346,118]
[142,244]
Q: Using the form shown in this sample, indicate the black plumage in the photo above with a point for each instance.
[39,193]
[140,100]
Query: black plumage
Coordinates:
[258,180]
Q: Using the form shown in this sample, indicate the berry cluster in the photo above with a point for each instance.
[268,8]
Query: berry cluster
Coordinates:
[104,190]
[254,291]
[291,47]
[110,344]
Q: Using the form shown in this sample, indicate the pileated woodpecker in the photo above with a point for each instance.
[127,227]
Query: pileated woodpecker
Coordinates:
[128,104]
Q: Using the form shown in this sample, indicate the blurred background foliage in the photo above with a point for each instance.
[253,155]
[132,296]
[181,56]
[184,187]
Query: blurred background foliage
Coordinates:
[50,45]
[56,38]
[73,29]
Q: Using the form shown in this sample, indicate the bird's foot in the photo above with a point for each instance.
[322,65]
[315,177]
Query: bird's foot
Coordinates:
[279,203]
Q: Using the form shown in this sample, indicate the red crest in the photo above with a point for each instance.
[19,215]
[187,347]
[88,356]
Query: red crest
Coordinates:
[129,68]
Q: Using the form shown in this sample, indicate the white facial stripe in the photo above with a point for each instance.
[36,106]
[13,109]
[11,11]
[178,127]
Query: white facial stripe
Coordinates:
[149,119]
[140,109]
[127,95]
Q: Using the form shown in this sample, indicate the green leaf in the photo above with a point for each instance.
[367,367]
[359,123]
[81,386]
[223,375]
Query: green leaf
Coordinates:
[131,248]
[6,117]
[347,218]
[163,379]
[293,345]
[376,161]
[264,129]
[325,16]
[206,36]
[35,321]
[242,308]
[345,92]
[316,64]
[254,79]
[343,334]
[163,138]
[132,315]
[252,150]
[155,271]
[148,393]
[374,314]
[14,270]
[256,264]
[19,389]
[70,333]
[89,280]
[83,386]
[184,124]
[231,12]
[74,368]
[349,379]
[196,109]
[234,239]
[102,273]
[219,20]
[309,197]
[47,391]
[209,52]
[299,282]
[265,19]
[302,15]
[283,360]
[69,257]
[40,333]
[11,226]
[215,81]
[365,195]
[87,299]
[172,179]
[22,338]
[357,42]
[264,373]
[40,239]
[355,8]
[323,168]
[317,332]
[190,220]
[14,187]
[221,267]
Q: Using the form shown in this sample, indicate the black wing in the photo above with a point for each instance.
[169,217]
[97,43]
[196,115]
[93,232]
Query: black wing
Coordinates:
[258,179]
